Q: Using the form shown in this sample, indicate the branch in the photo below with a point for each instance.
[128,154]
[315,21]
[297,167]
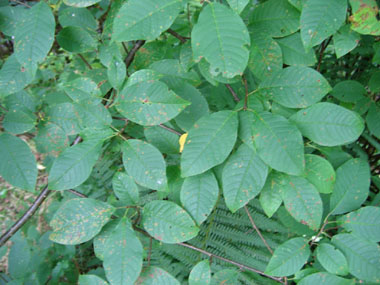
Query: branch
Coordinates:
[246,93]
[257,230]
[170,130]
[236,98]
[323,48]
[178,36]
[241,266]
[85,61]
[30,212]
[131,55]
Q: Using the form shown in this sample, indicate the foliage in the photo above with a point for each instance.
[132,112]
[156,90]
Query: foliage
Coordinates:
[192,142]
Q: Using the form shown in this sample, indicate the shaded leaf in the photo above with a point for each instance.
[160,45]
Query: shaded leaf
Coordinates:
[270,195]
[320,173]
[76,40]
[89,279]
[156,276]
[199,195]
[332,259]
[145,164]
[17,164]
[351,186]
[200,274]
[243,177]
[345,40]
[125,188]
[325,278]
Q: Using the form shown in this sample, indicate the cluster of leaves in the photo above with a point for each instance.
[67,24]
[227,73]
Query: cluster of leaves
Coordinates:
[161,115]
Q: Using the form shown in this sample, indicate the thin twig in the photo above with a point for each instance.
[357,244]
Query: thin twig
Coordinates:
[257,229]
[131,55]
[125,47]
[85,61]
[150,250]
[3,108]
[79,194]
[170,130]
[323,48]
[178,36]
[241,266]
[321,229]
[246,93]
[30,212]
[236,98]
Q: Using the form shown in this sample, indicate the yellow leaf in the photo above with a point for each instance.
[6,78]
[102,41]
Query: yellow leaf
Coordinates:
[182,141]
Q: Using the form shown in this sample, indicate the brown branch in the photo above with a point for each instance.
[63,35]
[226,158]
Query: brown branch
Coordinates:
[170,130]
[79,194]
[246,93]
[125,47]
[321,229]
[241,266]
[257,229]
[236,98]
[3,108]
[178,36]
[150,250]
[131,55]
[30,212]
[85,61]
[323,48]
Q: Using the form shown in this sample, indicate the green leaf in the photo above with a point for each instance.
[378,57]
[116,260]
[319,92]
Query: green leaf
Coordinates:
[349,91]
[351,186]
[320,173]
[225,49]
[199,195]
[265,56]
[295,87]
[10,16]
[51,139]
[165,141]
[210,76]
[82,89]
[17,164]
[18,122]
[73,166]
[294,53]
[345,40]
[168,222]
[193,112]
[364,17]
[374,82]
[145,164]
[328,124]
[89,279]
[79,220]
[279,143]
[79,17]
[80,3]
[332,259]
[149,103]
[116,73]
[100,239]
[156,276]
[321,19]
[76,40]
[225,276]
[144,19]
[14,77]
[125,188]
[200,274]
[19,258]
[238,5]
[363,256]
[270,195]
[123,255]
[276,17]
[325,278]
[209,142]
[289,257]
[373,120]
[302,201]
[34,35]
[243,177]
[364,222]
